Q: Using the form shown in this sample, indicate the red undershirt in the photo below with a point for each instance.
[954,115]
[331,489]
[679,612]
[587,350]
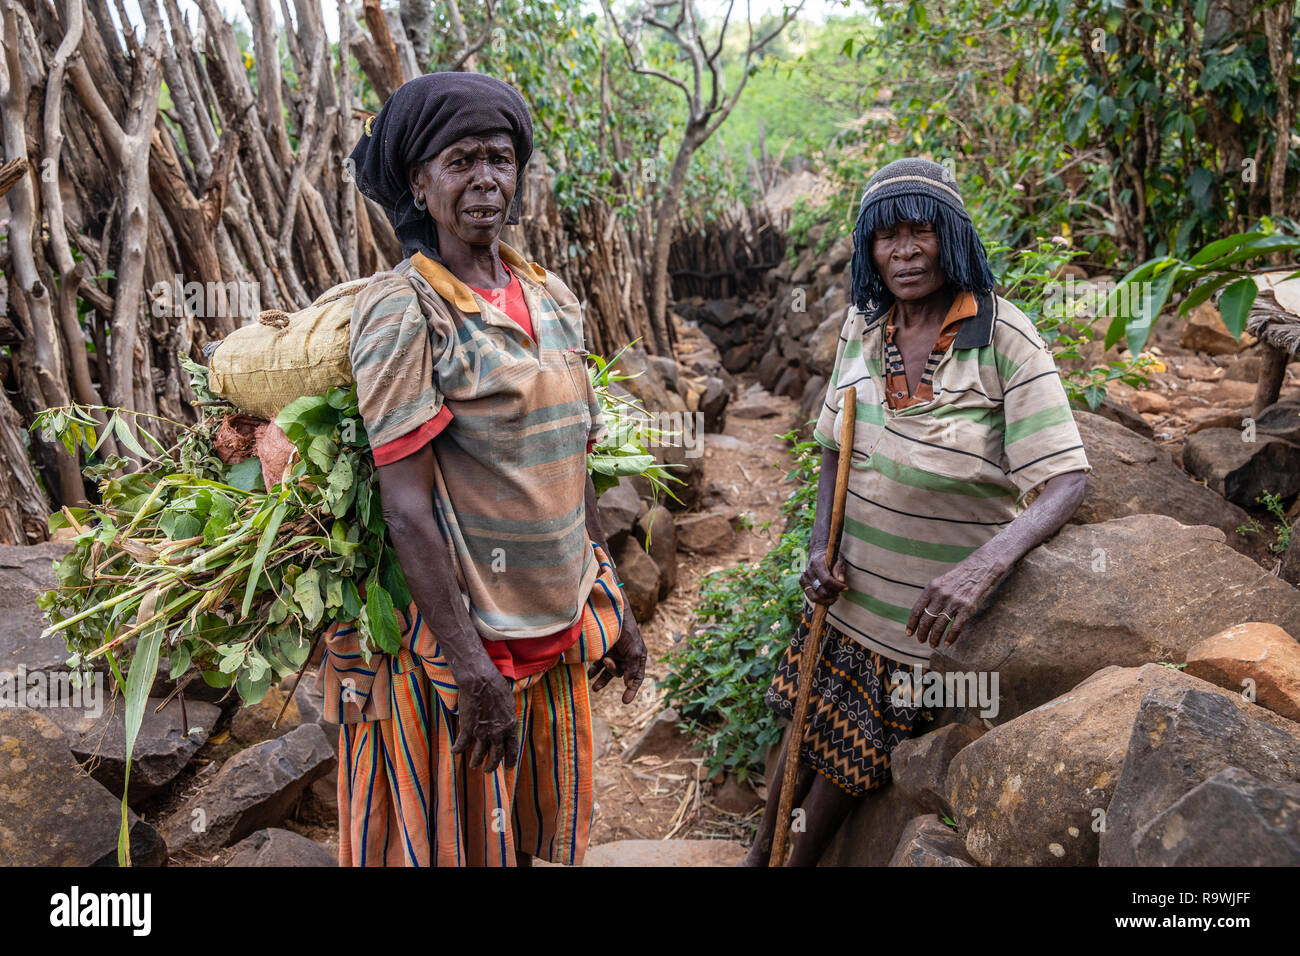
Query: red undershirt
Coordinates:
[521,657]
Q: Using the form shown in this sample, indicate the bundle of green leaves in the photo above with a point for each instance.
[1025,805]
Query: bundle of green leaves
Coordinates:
[219,574]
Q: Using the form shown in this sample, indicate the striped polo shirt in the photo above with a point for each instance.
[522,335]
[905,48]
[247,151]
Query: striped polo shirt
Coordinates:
[933,481]
[515,415]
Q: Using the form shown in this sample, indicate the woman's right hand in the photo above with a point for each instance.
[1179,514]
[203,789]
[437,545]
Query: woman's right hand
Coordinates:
[819,585]
[486,711]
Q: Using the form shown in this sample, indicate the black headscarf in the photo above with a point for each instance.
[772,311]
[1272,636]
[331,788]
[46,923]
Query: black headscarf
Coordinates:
[422,118]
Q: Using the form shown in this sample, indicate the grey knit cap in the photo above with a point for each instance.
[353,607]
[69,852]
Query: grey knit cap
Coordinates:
[914,177]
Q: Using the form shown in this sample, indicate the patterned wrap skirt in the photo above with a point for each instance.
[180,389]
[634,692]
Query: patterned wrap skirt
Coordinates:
[406,800]
[852,725]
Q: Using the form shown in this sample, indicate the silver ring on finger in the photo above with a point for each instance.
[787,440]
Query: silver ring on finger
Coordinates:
[926,610]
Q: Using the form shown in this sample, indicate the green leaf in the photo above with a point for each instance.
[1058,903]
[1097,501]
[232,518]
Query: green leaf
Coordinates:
[123,433]
[1219,247]
[247,475]
[322,452]
[218,678]
[1204,291]
[351,600]
[144,667]
[306,592]
[381,619]
[259,558]
[1106,108]
[1235,303]
[251,690]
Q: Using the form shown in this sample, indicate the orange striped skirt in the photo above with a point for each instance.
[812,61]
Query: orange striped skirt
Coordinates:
[406,800]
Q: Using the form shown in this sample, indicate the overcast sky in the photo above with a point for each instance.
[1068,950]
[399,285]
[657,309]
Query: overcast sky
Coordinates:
[813,10]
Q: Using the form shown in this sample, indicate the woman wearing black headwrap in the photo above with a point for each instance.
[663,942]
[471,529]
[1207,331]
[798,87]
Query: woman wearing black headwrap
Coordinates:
[472,383]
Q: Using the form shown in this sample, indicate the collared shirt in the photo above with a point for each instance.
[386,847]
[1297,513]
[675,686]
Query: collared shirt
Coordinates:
[897,392]
[933,481]
[511,472]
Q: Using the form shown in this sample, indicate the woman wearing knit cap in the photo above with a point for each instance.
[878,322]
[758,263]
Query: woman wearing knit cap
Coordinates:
[960,414]
[473,744]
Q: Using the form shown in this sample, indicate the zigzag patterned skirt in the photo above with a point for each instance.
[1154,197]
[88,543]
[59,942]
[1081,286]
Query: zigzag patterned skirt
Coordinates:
[852,725]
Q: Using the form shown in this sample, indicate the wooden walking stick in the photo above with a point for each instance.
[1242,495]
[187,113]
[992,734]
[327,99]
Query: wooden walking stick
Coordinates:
[812,648]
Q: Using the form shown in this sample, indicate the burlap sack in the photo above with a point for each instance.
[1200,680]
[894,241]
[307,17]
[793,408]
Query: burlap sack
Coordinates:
[283,356]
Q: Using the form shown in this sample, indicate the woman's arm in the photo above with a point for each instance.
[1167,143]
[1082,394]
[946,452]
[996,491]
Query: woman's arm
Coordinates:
[486,703]
[817,581]
[958,593]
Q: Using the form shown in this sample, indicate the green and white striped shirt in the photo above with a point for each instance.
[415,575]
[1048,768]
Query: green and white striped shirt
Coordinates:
[932,482]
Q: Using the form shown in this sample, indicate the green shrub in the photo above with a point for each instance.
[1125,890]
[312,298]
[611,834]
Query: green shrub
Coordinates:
[746,618]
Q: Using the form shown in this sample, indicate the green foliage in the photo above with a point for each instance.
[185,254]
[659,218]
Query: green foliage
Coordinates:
[1032,279]
[747,616]
[623,453]
[797,99]
[1285,527]
[1136,125]
[1222,264]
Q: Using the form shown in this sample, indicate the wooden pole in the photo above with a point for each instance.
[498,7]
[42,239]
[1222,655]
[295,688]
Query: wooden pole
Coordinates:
[812,647]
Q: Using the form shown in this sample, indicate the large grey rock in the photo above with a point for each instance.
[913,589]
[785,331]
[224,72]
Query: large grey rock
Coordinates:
[1243,471]
[1125,591]
[639,576]
[617,509]
[1036,791]
[720,312]
[1232,819]
[667,370]
[274,847]
[770,367]
[687,468]
[1121,414]
[51,812]
[1182,736]
[657,533]
[919,765]
[814,393]
[738,358]
[757,402]
[647,383]
[252,725]
[254,789]
[708,533]
[928,842]
[162,747]
[823,343]
[1132,475]
[871,832]
[26,571]
[1281,419]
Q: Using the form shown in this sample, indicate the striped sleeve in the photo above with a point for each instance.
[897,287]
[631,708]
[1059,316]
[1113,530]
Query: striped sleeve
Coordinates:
[393,360]
[824,432]
[1041,439]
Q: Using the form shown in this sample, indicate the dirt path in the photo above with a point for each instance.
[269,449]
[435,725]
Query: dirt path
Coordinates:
[653,797]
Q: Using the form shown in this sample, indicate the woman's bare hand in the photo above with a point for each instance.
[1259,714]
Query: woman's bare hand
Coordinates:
[487,722]
[819,585]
